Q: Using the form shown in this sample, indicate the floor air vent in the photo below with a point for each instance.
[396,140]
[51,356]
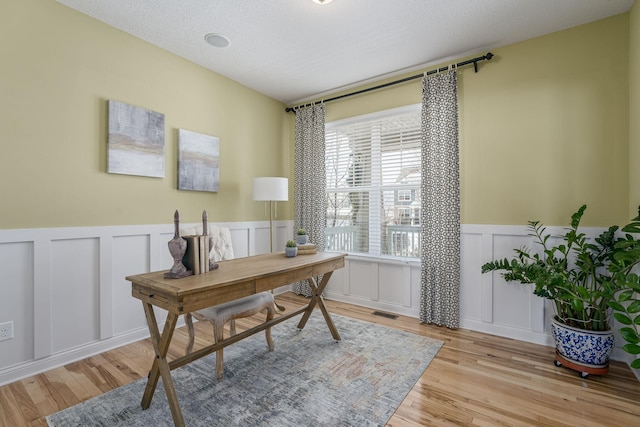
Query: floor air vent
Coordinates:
[387,315]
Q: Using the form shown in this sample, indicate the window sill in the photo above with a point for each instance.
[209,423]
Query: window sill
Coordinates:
[412,262]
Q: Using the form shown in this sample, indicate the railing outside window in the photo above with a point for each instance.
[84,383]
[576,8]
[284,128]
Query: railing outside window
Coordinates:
[401,240]
[341,238]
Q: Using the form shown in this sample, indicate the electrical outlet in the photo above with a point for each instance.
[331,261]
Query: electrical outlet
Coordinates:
[6,331]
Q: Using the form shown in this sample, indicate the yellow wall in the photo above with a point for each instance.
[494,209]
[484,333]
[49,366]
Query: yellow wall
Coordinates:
[634,108]
[543,127]
[59,68]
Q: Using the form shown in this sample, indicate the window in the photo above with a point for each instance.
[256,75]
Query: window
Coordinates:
[373,183]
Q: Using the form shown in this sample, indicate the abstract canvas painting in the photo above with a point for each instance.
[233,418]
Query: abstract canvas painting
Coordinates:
[198,161]
[135,141]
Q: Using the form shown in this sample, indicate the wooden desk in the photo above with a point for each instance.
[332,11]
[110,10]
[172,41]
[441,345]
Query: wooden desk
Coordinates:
[234,279]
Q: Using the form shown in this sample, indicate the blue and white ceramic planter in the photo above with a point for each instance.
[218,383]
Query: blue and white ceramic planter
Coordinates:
[588,348]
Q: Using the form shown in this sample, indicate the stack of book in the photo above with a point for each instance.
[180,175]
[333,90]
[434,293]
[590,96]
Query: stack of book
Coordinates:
[307,249]
[196,257]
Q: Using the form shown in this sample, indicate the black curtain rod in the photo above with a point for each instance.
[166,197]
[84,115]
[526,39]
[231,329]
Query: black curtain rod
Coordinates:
[473,61]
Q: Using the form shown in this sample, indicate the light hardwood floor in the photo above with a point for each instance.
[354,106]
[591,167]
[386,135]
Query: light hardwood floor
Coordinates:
[476,380]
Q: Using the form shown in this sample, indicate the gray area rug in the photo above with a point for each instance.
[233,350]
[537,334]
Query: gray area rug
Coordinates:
[308,380]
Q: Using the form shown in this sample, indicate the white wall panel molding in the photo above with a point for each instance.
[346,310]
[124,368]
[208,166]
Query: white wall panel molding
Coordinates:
[49,274]
[486,281]
[67,294]
[488,304]
[374,289]
[106,290]
[41,297]
[406,286]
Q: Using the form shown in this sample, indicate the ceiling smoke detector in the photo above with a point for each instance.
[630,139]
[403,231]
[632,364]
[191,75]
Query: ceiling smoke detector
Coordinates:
[322,1]
[216,40]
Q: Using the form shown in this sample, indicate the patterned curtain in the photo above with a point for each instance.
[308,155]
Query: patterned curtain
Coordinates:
[440,210]
[310,182]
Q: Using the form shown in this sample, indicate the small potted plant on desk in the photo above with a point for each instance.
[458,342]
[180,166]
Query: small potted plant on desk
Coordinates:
[291,248]
[586,280]
[302,236]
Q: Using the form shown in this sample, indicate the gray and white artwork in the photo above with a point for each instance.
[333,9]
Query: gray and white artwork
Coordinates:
[198,161]
[135,141]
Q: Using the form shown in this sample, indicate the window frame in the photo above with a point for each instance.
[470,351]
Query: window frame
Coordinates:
[375,217]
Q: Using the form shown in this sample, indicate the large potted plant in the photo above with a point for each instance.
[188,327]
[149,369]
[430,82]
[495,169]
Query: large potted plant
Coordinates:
[626,304]
[586,280]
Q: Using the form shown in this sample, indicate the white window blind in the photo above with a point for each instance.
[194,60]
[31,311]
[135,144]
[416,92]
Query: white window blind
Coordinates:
[373,183]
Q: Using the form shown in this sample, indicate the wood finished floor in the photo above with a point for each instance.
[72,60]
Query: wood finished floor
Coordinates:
[475,380]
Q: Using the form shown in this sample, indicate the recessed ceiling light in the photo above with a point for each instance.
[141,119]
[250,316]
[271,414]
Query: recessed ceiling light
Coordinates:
[322,1]
[216,40]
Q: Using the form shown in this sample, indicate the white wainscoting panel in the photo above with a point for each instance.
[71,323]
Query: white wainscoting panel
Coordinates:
[398,282]
[16,303]
[363,279]
[133,258]
[473,293]
[65,290]
[381,284]
[66,293]
[75,291]
[487,303]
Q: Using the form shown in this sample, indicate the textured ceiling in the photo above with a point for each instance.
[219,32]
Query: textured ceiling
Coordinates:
[294,50]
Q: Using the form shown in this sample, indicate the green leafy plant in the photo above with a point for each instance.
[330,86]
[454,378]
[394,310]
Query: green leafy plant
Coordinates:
[301,231]
[586,280]
[291,244]
[626,304]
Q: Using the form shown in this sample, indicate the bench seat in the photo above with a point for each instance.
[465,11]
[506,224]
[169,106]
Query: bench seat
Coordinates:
[219,315]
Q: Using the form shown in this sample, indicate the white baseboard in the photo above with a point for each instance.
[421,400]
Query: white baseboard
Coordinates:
[27,369]
[374,305]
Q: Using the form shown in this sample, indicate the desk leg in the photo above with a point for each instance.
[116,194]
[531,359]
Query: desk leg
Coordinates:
[160,367]
[317,299]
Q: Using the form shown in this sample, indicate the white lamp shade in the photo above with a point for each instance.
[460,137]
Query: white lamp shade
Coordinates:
[270,188]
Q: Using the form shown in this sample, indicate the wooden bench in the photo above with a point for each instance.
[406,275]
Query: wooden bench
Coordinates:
[220,314]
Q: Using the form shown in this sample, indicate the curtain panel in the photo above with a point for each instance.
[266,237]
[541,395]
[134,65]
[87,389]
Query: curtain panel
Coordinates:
[310,180]
[440,194]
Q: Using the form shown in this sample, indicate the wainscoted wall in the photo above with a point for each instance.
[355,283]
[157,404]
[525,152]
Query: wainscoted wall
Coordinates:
[66,293]
[487,303]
